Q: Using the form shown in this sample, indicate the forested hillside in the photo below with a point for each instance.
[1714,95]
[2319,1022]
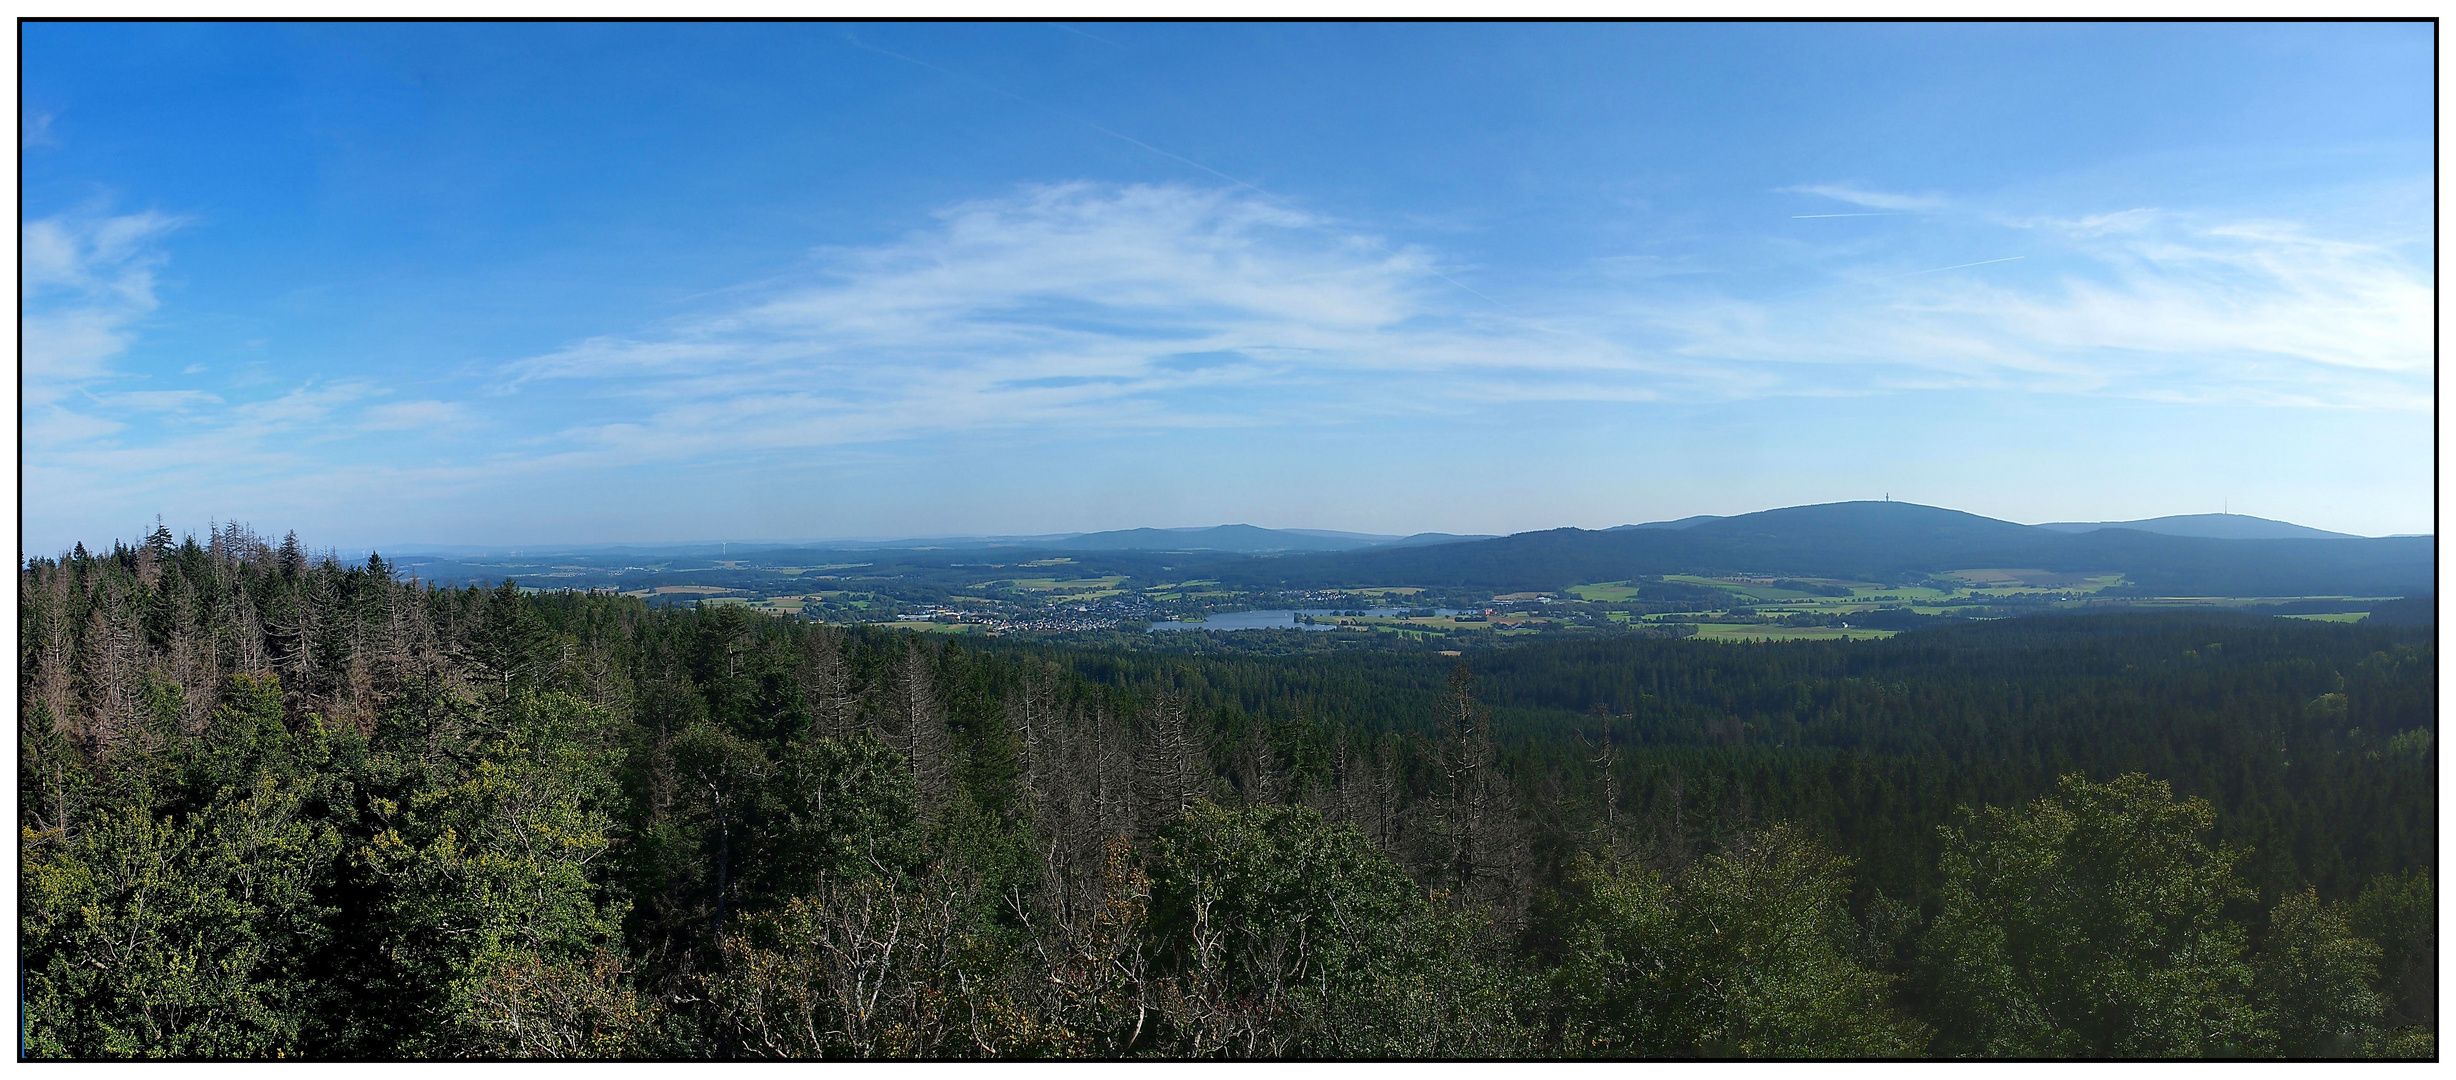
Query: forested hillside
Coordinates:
[275,806]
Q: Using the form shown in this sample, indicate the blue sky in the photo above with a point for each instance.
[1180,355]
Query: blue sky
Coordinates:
[576,283]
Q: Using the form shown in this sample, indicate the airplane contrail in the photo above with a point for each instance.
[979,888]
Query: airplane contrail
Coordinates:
[1094,37]
[1796,217]
[1957,266]
[1114,134]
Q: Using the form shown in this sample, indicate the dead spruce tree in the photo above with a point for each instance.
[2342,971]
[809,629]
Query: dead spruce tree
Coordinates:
[1176,770]
[826,676]
[921,730]
[1477,835]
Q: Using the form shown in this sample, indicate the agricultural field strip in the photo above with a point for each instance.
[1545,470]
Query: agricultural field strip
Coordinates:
[1510,613]
[1925,600]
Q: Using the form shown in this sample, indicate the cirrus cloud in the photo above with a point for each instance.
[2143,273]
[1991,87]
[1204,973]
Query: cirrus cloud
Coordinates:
[1062,311]
[1077,307]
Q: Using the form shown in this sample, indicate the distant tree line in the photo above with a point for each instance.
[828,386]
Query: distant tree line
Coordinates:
[275,806]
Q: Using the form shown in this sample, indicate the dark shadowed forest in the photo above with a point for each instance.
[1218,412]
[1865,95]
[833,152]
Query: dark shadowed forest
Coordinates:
[271,805]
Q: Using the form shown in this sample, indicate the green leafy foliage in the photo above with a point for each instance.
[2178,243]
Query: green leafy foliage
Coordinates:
[2092,923]
[1294,935]
[2400,912]
[165,927]
[489,892]
[2316,980]
[1744,954]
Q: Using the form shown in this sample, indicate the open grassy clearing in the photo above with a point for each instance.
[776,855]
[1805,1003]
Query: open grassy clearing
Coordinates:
[1747,632]
[1401,627]
[929,627]
[2246,601]
[2050,580]
[2335,617]
[1904,594]
[1106,585]
[1983,583]
[1182,590]
[1394,622]
[781,605]
[1607,592]
[1751,590]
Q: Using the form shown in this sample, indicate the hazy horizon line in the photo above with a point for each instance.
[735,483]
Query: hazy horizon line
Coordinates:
[889,539]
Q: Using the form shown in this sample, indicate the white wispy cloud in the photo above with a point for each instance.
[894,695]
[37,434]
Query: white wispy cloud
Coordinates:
[34,132]
[160,401]
[87,280]
[413,416]
[1083,307]
[1075,305]
[1857,196]
[100,439]
[2136,303]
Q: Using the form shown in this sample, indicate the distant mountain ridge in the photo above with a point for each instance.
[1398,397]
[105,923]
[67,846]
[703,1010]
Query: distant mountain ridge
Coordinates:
[1245,540]
[1226,539]
[1676,523]
[2210,526]
[1878,541]
[2189,554]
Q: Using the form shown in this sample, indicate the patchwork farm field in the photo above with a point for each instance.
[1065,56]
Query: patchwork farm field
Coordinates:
[1756,632]
[1790,609]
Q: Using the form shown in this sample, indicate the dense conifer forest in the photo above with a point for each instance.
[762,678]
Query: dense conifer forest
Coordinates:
[271,805]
